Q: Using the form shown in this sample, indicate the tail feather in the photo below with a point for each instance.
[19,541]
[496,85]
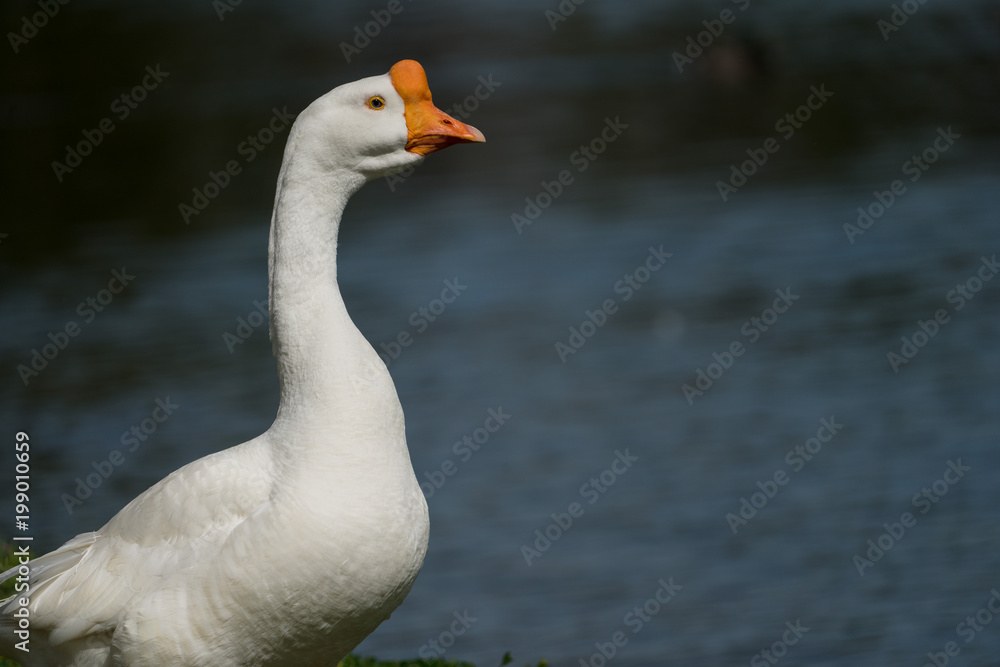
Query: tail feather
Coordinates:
[46,569]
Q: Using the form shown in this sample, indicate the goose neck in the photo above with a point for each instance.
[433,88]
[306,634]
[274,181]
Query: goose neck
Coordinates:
[315,341]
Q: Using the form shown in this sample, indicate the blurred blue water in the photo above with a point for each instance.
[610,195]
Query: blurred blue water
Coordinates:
[494,348]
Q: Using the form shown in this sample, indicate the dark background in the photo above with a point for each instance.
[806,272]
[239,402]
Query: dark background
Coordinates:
[656,184]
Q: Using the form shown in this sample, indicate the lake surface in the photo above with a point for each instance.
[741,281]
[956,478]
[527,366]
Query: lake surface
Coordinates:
[696,526]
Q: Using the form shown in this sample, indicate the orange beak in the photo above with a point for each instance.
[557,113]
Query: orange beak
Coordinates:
[428,129]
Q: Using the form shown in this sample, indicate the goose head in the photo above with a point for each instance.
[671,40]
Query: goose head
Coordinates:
[380,125]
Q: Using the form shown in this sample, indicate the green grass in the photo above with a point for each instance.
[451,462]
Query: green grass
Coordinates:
[9,560]
[355,661]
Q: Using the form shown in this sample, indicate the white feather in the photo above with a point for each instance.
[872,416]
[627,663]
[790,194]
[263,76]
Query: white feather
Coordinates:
[290,548]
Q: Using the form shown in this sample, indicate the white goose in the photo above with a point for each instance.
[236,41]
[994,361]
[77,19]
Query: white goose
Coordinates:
[291,548]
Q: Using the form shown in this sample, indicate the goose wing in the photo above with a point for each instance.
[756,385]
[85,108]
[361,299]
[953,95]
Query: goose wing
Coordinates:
[83,588]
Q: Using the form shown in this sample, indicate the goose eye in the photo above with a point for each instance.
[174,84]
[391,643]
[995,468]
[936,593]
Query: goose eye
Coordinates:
[376,102]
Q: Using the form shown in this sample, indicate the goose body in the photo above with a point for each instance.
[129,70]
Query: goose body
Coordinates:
[291,548]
